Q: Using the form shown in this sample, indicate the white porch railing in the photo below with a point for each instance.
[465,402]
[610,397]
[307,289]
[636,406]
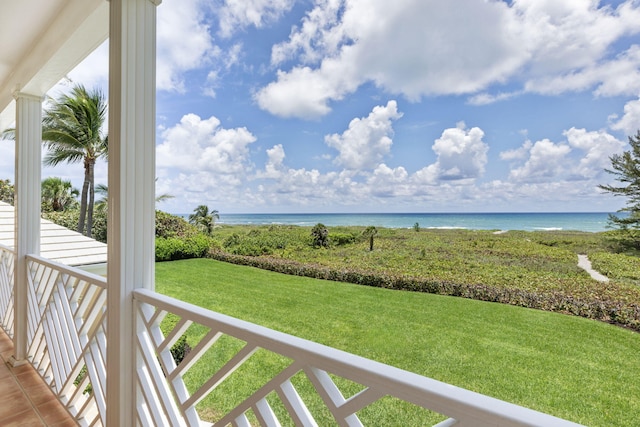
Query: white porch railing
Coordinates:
[67,309]
[66,335]
[6,289]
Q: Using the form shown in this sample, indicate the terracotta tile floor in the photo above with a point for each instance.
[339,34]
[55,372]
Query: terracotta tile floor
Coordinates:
[25,400]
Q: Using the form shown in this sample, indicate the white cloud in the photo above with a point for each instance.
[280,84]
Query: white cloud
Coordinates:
[306,93]
[630,121]
[619,76]
[419,48]
[546,175]
[183,42]
[546,160]
[389,182]
[405,48]
[319,35]
[520,153]
[282,185]
[572,34]
[597,147]
[487,98]
[7,159]
[584,156]
[559,194]
[462,154]
[211,84]
[368,140]
[200,162]
[201,145]
[274,167]
[238,14]
[197,188]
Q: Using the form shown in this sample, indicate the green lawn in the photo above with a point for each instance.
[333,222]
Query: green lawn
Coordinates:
[574,368]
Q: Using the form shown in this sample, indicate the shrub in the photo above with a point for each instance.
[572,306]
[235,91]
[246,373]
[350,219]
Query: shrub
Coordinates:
[6,191]
[320,235]
[340,239]
[180,349]
[69,219]
[617,266]
[172,248]
[168,225]
[257,242]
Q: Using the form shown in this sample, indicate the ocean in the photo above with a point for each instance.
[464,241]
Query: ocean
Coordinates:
[580,221]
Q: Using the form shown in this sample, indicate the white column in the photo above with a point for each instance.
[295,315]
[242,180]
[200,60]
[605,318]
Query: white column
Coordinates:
[28,156]
[131,257]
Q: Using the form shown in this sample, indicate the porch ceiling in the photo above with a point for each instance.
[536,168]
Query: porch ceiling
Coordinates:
[41,41]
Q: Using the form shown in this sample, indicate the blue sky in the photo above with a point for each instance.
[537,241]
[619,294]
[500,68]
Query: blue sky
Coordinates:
[387,106]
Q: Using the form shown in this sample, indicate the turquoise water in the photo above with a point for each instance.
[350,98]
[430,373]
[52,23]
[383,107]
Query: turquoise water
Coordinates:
[475,221]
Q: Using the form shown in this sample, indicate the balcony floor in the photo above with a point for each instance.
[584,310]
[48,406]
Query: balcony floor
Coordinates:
[26,400]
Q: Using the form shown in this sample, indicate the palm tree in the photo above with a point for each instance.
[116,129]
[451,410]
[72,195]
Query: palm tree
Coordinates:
[102,204]
[369,233]
[58,195]
[103,190]
[204,219]
[72,132]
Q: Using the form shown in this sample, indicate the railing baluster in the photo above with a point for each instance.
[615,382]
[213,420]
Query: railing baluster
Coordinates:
[261,394]
[241,421]
[205,344]
[6,289]
[221,374]
[294,403]
[151,377]
[265,414]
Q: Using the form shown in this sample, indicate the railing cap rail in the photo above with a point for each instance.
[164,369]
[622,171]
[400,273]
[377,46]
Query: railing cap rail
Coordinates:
[73,271]
[441,397]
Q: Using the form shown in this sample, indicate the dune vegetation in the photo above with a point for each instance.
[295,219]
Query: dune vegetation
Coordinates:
[530,269]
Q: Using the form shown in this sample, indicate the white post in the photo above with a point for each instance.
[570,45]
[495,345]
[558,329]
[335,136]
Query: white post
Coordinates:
[132,61]
[27,209]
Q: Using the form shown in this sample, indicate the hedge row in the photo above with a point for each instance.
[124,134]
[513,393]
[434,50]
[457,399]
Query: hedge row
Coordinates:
[606,310]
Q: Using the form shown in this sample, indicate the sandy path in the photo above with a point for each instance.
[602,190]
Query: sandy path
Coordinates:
[585,264]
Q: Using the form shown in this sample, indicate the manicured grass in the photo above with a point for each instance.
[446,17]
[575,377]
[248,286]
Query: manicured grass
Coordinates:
[574,368]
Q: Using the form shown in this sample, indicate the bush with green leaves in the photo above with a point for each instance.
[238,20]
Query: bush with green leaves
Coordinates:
[617,266]
[320,235]
[69,219]
[174,248]
[180,349]
[257,242]
[168,225]
[6,191]
[340,239]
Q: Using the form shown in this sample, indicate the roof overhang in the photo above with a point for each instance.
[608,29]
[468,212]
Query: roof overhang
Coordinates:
[58,243]
[41,41]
